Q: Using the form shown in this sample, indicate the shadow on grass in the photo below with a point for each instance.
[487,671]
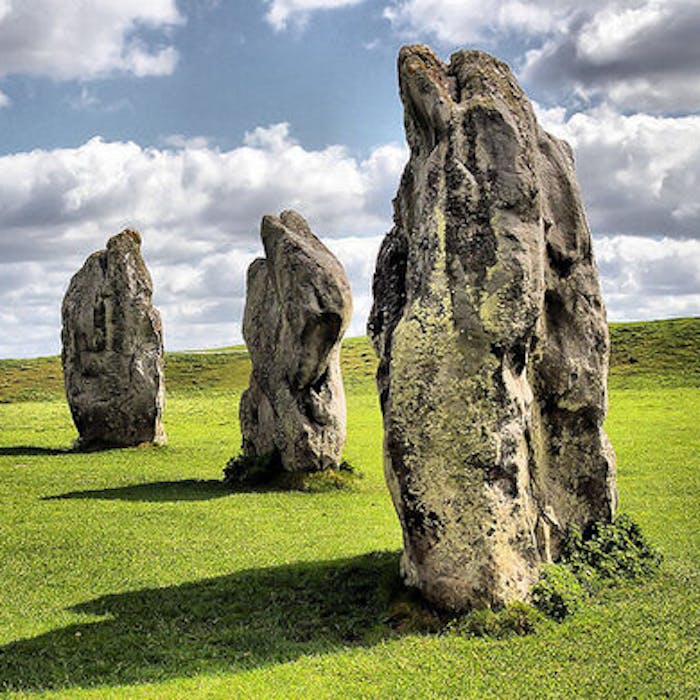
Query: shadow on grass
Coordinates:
[33,451]
[74,449]
[242,621]
[154,492]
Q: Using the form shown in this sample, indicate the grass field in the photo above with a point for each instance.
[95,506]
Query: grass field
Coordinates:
[133,573]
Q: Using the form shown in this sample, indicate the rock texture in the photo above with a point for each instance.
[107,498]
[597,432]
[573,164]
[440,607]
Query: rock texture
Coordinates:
[492,337]
[113,348]
[298,305]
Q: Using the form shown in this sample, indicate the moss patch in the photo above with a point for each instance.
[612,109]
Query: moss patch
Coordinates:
[265,472]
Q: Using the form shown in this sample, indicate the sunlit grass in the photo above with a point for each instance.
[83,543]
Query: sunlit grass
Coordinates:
[133,573]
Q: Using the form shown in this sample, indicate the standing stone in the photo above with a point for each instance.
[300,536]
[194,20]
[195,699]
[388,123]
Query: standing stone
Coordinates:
[491,332]
[113,348]
[298,305]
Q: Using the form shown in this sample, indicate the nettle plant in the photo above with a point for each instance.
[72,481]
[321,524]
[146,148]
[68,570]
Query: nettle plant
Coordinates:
[610,553]
[605,554]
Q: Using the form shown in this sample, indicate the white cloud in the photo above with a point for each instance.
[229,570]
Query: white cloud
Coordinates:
[282,13]
[142,62]
[607,35]
[79,40]
[181,141]
[645,279]
[5,101]
[640,174]
[199,211]
[636,54]
[467,21]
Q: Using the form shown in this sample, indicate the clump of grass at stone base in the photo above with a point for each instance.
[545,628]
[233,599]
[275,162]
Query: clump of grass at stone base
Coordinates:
[558,593]
[514,619]
[408,613]
[256,472]
[606,554]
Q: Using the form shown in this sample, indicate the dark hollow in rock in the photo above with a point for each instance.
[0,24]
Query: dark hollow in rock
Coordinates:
[492,338]
[113,348]
[298,305]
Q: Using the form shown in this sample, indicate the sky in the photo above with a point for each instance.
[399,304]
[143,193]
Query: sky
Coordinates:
[190,119]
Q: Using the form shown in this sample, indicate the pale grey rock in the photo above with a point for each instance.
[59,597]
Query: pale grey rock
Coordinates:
[113,348]
[298,306]
[493,344]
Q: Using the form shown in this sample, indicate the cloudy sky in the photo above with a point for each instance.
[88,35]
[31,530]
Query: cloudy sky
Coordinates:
[189,119]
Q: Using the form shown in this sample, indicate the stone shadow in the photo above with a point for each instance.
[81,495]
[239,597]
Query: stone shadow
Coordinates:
[154,492]
[34,451]
[72,449]
[241,621]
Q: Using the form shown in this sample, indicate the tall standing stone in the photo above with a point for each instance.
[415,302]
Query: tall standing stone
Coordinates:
[491,332]
[113,348]
[298,305]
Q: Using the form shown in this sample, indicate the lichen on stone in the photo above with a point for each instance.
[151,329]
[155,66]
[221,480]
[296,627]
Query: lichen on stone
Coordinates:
[298,305]
[113,348]
[490,449]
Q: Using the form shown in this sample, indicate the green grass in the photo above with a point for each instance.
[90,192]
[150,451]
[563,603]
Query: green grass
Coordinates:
[664,350]
[664,353]
[133,573]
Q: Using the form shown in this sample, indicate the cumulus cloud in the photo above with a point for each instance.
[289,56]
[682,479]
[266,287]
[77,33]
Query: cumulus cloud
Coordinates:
[465,21]
[640,174]
[282,13]
[636,55]
[78,40]
[4,100]
[645,279]
[199,211]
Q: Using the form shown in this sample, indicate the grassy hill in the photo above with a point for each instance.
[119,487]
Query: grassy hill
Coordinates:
[134,574]
[668,351]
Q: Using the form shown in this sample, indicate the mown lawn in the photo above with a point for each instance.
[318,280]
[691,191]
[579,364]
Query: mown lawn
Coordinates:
[133,573]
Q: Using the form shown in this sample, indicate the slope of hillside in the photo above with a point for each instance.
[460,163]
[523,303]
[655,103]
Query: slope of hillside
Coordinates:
[668,351]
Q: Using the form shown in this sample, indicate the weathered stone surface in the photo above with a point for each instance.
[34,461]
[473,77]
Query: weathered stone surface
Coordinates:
[113,348]
[492,337]
[298,305]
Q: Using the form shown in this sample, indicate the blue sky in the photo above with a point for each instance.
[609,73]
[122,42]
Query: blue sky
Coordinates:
[234,72]
[189,119]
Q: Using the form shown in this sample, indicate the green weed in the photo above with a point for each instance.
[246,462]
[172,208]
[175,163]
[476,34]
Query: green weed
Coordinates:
[610,553]
[558,593]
